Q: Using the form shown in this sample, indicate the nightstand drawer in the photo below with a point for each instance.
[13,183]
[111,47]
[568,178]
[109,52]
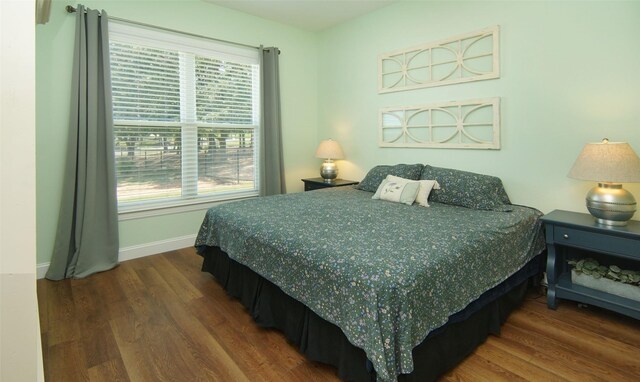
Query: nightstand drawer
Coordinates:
[596,241]
[311,184]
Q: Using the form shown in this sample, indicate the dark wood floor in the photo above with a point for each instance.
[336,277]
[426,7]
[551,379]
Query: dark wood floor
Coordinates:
[159,318]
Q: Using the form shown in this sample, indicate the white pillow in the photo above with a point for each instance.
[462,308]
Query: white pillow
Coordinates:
[425,188]
[400,192]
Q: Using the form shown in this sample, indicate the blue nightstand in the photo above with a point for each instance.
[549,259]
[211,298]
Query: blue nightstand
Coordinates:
[566,231]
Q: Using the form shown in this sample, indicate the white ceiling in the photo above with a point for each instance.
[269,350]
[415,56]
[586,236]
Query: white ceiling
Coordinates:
[312,15]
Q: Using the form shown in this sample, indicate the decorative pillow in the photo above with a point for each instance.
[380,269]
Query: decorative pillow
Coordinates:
[376,175]
[400,192]
[467,189]
[423,192]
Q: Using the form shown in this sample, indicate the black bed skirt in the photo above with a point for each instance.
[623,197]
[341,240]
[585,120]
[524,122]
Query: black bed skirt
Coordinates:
[322,341]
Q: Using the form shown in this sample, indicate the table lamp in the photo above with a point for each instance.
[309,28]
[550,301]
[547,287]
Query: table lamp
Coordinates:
[609,164]
[329,150]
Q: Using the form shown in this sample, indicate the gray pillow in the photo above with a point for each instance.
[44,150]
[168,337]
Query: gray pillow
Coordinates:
[376,175]
[467,189]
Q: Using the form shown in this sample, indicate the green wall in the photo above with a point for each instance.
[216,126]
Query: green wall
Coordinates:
[570,74]
[54,48]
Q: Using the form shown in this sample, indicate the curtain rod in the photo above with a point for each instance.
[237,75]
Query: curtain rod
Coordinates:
[72,9]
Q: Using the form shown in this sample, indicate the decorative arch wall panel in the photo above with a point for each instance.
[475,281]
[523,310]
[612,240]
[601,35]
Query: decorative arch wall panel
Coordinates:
[464,58]
[472,124]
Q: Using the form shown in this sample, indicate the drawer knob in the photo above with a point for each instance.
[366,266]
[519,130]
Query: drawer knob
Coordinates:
[566,235]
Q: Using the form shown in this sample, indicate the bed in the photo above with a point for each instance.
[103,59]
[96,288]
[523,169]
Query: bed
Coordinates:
[383,291]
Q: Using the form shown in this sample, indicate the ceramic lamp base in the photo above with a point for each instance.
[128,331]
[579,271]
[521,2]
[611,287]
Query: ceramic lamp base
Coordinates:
[611,204]
[329,171]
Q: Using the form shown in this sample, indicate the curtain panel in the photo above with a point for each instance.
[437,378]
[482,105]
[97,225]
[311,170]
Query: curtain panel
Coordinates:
[87,234]
[272,181]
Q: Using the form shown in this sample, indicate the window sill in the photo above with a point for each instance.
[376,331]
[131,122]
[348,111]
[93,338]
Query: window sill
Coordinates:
[151,211]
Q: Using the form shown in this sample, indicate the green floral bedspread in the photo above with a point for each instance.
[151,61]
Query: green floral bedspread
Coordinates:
[385,273]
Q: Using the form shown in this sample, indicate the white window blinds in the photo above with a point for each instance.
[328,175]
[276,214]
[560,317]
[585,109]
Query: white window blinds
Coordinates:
[186,114]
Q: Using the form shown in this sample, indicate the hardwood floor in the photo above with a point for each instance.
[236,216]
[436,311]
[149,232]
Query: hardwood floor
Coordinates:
[160,318]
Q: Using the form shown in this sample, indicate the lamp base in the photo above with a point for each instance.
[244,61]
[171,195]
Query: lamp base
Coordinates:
[611,204]
[329,171]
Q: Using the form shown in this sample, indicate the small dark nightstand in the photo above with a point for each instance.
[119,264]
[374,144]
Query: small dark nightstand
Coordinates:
[311,184]
[572,231]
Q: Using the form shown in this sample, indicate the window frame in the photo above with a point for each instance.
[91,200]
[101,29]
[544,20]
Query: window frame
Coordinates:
[142,35]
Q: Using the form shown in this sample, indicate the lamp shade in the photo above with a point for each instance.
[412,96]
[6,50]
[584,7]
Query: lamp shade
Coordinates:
[613,162]
[329,149]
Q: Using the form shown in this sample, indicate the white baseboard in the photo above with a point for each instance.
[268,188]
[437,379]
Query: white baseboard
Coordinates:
[153,248]
[140,250]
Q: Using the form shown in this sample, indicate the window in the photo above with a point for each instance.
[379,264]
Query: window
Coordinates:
[186,114]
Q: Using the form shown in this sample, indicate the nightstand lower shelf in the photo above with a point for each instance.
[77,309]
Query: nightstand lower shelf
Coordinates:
[566,289]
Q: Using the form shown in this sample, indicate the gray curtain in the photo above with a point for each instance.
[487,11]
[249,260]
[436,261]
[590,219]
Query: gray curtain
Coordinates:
[271,158]
[87,234]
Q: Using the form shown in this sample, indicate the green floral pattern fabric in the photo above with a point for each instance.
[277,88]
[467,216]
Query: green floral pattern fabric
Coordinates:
[467,189]
[386,273]
[376,175]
